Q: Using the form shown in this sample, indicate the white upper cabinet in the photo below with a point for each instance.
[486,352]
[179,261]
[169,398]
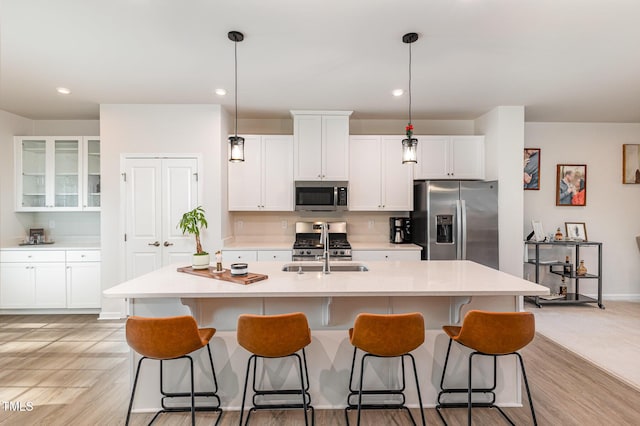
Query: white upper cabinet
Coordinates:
[450,157]
[264,181]
[378,179]
[91,173]
[56,174]
[321,145]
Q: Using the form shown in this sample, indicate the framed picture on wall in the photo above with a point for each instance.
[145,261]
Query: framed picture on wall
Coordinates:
[571,185]
[532,168]
[631,163]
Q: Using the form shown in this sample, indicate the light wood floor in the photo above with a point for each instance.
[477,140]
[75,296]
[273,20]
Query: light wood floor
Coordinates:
[74,370]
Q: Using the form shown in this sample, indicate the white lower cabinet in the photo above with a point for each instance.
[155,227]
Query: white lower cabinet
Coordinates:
[231,256]
[43,279]
[83,279]
[274,256]
[384,255]
[32,279]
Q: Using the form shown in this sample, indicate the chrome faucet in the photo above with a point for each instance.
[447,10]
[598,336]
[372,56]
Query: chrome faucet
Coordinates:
[326,269]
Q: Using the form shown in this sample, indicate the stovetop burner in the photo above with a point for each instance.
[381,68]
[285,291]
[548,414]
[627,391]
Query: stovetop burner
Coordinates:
[308,245]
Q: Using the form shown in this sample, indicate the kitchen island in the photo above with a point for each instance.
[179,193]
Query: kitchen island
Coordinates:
[441,290]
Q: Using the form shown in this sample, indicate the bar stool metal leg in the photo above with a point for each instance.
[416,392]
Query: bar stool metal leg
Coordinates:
[361,391]
[304,391]
[133,390]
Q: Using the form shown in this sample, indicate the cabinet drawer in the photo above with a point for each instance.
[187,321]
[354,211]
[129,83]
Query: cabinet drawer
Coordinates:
[32,256]
[83,256]
[382,255]
[274,255]
[230,256]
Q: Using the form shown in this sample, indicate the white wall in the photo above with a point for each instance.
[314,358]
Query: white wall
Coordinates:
[503,128]
[66,127]
[12,225]
[193,129]
[362,127]
[613,209]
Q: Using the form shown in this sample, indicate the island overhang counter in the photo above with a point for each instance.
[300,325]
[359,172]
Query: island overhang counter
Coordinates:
[441,290]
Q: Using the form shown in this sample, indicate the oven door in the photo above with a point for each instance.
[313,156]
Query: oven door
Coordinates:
[316,198]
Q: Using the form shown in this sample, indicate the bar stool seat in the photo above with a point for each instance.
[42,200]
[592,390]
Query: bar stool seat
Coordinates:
[166,339]
[385,336]
[276,336]
[488,334]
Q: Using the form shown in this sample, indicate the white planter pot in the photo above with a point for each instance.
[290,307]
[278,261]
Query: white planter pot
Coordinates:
[200,261]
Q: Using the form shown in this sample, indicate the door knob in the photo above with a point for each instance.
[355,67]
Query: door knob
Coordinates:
[157,244]
[167,244]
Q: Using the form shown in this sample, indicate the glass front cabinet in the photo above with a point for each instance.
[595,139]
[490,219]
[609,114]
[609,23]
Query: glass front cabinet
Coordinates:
[57,173]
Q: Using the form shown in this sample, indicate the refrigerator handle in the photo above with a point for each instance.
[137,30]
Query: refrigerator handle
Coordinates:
[463,231]
[458,230]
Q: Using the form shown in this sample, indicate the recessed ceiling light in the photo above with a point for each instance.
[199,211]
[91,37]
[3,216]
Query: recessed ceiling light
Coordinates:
[63,90]
[398,92]
[220,92]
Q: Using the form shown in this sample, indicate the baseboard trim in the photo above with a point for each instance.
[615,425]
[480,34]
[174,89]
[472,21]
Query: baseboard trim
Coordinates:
[630,297]
[49,311]
[110,316]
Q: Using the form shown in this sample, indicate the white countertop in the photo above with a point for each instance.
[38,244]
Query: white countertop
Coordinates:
[432,278]
[57,245]
[288,245]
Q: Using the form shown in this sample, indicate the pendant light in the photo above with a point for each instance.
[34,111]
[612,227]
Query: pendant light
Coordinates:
[236,142]
[409,144]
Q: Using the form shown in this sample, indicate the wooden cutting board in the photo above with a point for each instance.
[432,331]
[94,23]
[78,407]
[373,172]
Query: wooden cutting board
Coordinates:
[225,275]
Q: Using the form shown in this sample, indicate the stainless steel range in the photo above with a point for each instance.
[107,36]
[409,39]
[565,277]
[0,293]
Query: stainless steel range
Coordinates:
[308,245]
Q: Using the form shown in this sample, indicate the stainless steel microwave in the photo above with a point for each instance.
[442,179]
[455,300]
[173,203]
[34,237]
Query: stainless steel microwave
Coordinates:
[321,196]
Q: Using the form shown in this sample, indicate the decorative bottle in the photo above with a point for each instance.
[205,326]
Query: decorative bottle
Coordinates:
[558,236]
[581,269]
[567,266]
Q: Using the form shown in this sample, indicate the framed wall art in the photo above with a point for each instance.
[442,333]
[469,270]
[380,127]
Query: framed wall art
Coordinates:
[571,185]
[631,163]
[576,231]
[531,168]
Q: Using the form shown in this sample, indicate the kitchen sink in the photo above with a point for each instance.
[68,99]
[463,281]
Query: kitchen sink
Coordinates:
[352,267]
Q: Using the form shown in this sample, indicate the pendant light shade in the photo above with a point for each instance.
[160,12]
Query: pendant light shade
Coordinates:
[236,152]
[409,144]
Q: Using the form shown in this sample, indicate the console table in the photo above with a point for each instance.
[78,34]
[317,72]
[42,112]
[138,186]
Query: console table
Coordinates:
[557,268]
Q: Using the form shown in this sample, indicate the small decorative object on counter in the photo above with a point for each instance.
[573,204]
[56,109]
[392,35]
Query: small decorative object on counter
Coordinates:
[218,261]
[558,236]
[567,266]
[239,269]
[563,290]
[581,270]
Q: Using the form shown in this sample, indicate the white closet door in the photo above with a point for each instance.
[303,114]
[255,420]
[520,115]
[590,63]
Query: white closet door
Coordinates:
[143,215]
[158,193]
[179,195]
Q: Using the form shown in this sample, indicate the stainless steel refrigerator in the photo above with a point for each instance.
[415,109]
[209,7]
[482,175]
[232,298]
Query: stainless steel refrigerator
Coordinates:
[456,220]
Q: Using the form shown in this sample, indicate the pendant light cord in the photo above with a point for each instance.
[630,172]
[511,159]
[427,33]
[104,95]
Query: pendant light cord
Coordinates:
[410,82]
[235,56]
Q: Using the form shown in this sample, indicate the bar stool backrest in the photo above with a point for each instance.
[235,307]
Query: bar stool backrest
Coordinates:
[273,336]
[163,338]
[497,333]
[388,334]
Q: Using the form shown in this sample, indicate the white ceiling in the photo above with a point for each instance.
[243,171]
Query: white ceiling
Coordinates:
[564,60]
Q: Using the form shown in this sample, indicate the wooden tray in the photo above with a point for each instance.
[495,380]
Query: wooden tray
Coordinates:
[225,275]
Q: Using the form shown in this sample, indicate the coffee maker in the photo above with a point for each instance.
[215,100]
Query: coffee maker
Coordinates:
[399,230]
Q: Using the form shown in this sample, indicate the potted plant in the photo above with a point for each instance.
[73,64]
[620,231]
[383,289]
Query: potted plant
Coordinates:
[192,222]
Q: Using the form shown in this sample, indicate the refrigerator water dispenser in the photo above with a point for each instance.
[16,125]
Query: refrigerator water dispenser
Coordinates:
[444,229]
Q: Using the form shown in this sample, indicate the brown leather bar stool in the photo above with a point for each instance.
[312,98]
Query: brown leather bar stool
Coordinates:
[276,336]
[385,336]
[167,339]
[488,334]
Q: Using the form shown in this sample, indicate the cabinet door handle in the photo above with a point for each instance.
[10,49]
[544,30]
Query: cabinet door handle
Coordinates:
[167,244]
[157,244]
